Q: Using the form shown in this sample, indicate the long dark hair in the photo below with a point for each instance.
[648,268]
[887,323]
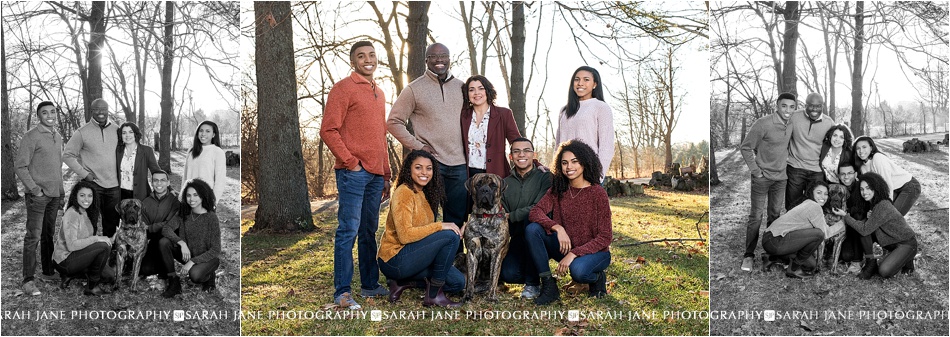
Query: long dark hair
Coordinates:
[204,192]
[196,144]
[810,190]
[135,130]
[588,160]
[877,184]
[434,192]
[93,211]
[490,92]
[858,162]
[573,103]
[844,130]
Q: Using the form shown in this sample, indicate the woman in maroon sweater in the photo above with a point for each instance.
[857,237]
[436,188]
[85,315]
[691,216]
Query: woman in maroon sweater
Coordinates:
[579,234]
[192,238]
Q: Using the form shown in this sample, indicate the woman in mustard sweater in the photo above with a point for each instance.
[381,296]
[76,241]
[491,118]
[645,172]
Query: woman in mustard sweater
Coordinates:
[78,250]
[801,230]
[414,246]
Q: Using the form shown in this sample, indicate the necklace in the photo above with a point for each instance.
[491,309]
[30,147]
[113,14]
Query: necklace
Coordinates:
[574,195]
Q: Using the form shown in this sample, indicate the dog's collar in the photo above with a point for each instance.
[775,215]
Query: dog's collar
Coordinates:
[493,215]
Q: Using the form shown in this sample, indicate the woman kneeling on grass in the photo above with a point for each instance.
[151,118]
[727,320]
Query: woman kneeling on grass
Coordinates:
[78,250]
[801,230]
[580,233]
[888,227]
[193,238]
[414,247]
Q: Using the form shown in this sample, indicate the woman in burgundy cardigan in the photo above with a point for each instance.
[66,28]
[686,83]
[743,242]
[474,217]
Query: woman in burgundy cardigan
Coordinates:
[485,128]
[578,232]
[134,162]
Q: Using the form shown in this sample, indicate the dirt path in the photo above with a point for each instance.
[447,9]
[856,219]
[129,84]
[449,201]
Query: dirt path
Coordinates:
[226,298]
[733,290]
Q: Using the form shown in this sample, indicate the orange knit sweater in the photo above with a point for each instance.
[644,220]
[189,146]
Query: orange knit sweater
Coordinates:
[410,219]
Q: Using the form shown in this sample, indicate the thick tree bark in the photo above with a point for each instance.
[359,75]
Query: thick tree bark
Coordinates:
[284,203]
[165,128]
[418,22]
[857,79]
[9,188]
[97,38]
[517,101]
[789,73]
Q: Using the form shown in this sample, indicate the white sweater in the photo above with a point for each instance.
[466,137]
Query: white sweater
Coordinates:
[208,166]
[594,125]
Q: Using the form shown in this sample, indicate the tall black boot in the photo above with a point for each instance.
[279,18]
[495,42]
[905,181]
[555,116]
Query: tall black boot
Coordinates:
[598,289]
[549,291]
[209,285]
[908,268]
[172,287]
[869,270]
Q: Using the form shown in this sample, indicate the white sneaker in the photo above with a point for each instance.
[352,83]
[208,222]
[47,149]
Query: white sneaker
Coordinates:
[747,263]
[530,292]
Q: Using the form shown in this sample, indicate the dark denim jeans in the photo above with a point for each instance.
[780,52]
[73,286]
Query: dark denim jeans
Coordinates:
[764,193]
[108,199]
[803,243]
[900,254]
[41,213]
[358,216]
[798,180]
[90,261]
[429,258]
[453,178]
[517,267]
[544,246]
[199,273]
[906,196]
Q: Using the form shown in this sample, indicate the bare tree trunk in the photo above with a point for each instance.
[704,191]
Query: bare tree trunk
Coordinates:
[97,38]
[857,79]
[713,171]
[789,73]
[284,200]
[518,99]
[418,22]
[165,128]
[9,188]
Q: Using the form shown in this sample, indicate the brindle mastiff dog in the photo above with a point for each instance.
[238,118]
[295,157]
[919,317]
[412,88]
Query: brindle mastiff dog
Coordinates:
[131,239]
[486,232]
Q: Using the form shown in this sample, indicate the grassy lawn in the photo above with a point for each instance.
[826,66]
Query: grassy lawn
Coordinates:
[926,290]
[293,273]
[193,300]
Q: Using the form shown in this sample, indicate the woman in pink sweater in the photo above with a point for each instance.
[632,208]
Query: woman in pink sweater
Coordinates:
[578,235]
[905,189]
[206,159]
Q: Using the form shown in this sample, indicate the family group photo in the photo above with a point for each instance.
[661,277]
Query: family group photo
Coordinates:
[121,146]
[469,157]
[829,125]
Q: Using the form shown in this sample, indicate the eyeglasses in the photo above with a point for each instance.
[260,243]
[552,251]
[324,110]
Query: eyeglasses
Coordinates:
[437,57]
[527,152]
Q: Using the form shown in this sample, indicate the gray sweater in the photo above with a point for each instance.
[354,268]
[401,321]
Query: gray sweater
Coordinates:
[434,108]
[887,224]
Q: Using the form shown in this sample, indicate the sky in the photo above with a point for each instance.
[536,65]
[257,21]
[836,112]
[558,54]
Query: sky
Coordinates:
[446,27]
[52,30]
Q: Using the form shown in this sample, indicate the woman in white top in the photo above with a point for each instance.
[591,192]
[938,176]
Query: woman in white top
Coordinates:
[587,116]
[134,162]
[906,188]
[206,159]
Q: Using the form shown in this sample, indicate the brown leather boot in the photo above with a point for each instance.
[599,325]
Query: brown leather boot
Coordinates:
[439,299]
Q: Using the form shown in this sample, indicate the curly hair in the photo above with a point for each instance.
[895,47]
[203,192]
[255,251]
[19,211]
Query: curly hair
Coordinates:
[858,162]
[847,136]
[574,102]
[434,192]
[877,184]
[588,160]
[204,192]
[490,93]
[196,143]
[93,211]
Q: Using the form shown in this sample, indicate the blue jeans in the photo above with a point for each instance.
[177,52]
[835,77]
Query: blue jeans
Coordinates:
[360,194]
[199,273]
[41,212]
[905,196]
[900,254]
[456,197]
[544,246]
[90,261]
[798,180]
[429,258]
[764,192]
[517,267]
[803,243]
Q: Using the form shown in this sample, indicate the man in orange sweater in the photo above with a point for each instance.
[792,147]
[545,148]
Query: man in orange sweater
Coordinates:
[354,128]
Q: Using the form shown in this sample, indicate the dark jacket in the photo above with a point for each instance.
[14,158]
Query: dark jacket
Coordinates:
[845,156]
[144,163]
[501,126]
[156,211]
[887,224]
[521,194]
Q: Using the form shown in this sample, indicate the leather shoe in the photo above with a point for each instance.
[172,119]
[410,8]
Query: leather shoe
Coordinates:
[795,271]
[439,299]
[395,290]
